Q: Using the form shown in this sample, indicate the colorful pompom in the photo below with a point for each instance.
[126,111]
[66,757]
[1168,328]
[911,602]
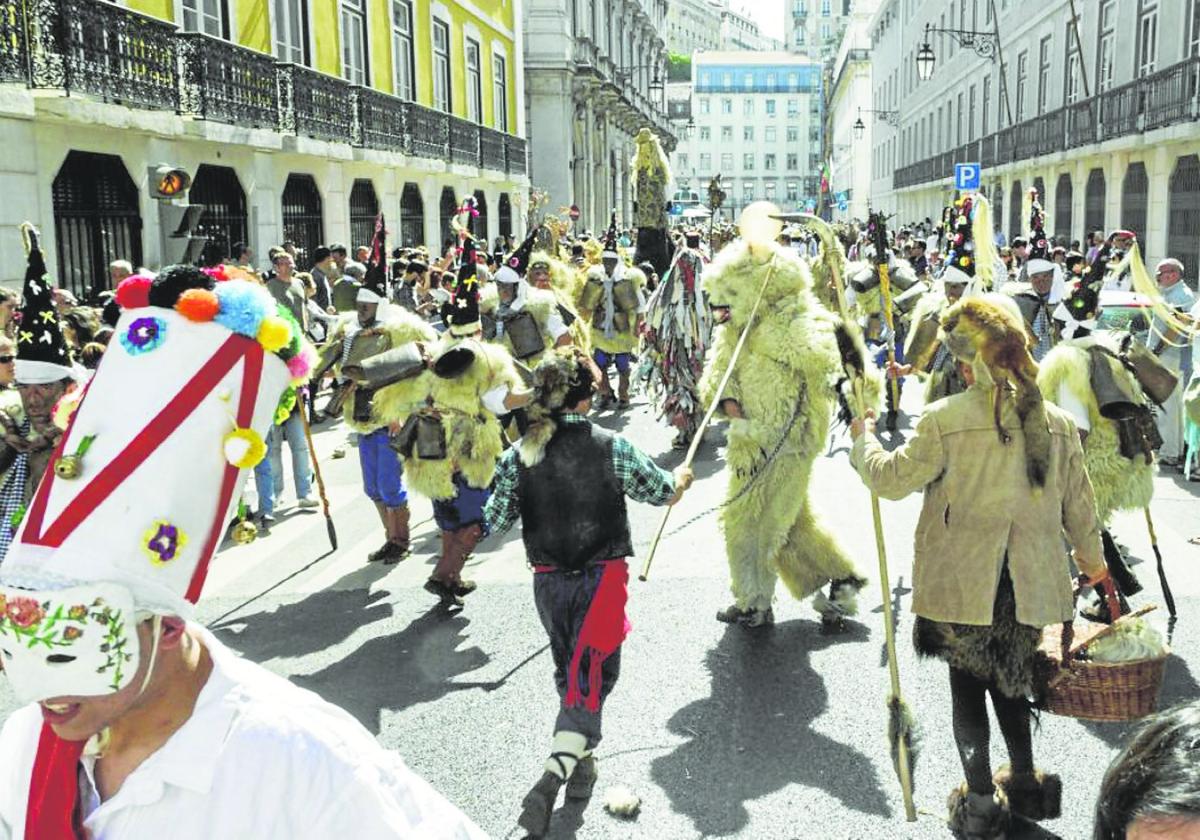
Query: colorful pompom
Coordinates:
[162,542]
[219,273]
[144,335]
[244,448]
[134,292]
[64,409]
[274,333]
[244,305]
[198,305]
[287,402]
[301,365]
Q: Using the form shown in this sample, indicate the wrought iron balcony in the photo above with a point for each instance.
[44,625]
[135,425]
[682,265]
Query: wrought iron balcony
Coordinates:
[116,55]
[1165,98]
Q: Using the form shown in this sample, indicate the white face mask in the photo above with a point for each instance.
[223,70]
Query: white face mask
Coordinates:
[76,642]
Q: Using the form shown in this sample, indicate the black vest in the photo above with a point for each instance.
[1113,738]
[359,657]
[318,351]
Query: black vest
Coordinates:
[572,505]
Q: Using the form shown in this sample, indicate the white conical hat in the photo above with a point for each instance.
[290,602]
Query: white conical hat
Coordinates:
[161,442]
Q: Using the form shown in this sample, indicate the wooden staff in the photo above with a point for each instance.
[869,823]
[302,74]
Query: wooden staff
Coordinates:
[712,410]
[312,452]
[1162,573]
[899,720]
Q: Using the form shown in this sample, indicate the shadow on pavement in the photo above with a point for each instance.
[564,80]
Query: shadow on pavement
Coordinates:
[395,671]
[753,736]
[321,620]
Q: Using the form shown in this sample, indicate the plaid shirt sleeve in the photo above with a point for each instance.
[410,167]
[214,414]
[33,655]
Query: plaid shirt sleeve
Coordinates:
[502,509]
[641,479]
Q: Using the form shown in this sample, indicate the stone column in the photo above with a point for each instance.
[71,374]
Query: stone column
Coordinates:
[1158,172]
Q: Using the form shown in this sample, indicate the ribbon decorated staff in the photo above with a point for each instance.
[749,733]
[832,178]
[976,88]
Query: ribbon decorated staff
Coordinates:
[901,726]
[877,228]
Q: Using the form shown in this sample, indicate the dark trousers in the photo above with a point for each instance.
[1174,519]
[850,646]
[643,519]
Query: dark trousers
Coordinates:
[972,733]
[562,600]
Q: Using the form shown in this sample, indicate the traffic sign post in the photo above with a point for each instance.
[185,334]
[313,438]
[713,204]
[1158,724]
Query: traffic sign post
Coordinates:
[967,176]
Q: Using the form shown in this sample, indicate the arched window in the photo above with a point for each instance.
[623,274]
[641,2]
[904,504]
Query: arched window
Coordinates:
[998,208]
[364,207]
[447,207]
[1040,186]
[1015,201]
[224,200]
[1133,200]
[1093,201]
[1183,215]
[412,217]
[1064,194]
[481,222]
[505,213]
[96,221]
[303,222]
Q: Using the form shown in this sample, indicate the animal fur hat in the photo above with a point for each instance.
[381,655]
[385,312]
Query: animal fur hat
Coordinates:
[560,381]
[992,339]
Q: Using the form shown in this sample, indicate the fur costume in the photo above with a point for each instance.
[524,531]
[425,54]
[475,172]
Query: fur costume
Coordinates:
[1119,483]
[651,177]
[402,327]
[566,283]
[472,432]
[832,253]
[789,364]
[538,303]
[621,341]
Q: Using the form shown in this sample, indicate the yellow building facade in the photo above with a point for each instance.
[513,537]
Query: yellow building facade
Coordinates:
[299,120]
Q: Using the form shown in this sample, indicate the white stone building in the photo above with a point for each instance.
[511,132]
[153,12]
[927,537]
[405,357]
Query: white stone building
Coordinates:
[757,124]
[1100,118]
[693,25]
[814,27]
[589,68]
[848,124]
[739,32]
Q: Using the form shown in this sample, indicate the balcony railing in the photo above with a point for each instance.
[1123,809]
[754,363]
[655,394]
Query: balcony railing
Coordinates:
[116,55]
[1165,98]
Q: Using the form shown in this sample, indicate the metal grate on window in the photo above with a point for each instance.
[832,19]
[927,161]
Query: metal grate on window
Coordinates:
[412,217]
[447,207]
[96,221]
[505,212]
[1063,195]
[1093,201]
[224,200]
[1015,202]
[364,207]
[303,222]
[1183,216]
[1134,189]
[481,221]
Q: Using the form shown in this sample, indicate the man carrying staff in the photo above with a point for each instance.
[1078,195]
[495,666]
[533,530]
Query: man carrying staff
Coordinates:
[1003,477]
[567,481]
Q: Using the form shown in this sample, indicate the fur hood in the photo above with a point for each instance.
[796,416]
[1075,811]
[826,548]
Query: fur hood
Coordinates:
[734,278]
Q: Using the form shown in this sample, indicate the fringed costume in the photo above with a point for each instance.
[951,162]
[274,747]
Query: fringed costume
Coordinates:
[675,338]
[783,385]
[613,302]
[651,178]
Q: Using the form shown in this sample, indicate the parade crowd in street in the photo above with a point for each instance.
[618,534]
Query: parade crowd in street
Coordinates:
[1056,381]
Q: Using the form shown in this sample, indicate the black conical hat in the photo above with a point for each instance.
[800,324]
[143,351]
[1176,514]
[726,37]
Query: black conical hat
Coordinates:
[42,354]
[517,264]
[463,309]
[610,239]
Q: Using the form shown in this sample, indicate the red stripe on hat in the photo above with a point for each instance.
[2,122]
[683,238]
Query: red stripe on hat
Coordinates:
[138,450]
[251,378]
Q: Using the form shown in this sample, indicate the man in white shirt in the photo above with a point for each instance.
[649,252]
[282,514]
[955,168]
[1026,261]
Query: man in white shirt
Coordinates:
[1175,352]
[139,724]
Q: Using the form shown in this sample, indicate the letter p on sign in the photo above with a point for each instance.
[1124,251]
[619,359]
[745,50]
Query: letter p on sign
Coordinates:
[967,176]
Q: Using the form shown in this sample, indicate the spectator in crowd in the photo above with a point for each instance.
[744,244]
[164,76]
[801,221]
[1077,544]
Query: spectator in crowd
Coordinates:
[1095,240]
[345,290]
[647,268]
[290,247]
[917,258]
[9,302]
[318,321]
[79,326]
[339,256]
[90,354]
[325,272]
[285,288]
[1152,789]
[118,270]
[1020,251]
[242,256]
[8,373]
[1174,351]
[362,254]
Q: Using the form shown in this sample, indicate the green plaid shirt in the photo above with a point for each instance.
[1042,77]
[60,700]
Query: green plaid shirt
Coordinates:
[641,479]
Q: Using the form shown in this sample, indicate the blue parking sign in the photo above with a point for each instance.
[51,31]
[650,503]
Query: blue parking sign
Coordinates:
[967,176]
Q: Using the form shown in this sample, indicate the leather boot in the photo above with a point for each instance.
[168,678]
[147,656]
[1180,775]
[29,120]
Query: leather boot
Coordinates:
[538,805]
[1036,796]
[583,780]
[978,816]
[398,519]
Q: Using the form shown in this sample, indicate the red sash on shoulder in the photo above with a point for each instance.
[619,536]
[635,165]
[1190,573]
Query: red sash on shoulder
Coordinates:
[53,809]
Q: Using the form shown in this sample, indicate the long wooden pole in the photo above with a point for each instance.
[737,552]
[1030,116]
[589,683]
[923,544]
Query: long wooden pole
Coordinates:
[885,580]
[712,410]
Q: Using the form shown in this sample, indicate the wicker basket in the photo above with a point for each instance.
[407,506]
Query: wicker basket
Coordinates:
[1106,691]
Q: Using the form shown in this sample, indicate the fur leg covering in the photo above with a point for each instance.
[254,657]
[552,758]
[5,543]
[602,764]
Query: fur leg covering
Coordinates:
[978,816]
[1036,796]
[811,557]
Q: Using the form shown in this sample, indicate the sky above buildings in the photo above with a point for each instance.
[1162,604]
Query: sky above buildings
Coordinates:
[768,14]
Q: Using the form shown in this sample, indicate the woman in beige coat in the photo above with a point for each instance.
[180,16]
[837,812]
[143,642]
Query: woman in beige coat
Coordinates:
[1001,483]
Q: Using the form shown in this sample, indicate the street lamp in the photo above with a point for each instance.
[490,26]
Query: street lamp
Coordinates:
[984,43]
[892,118]
[859,128]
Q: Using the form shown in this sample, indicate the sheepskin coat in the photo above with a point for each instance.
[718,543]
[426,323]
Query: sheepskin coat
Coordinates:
[538,303]
[1119,483]
[789,365]
[401,327]
[472,431]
